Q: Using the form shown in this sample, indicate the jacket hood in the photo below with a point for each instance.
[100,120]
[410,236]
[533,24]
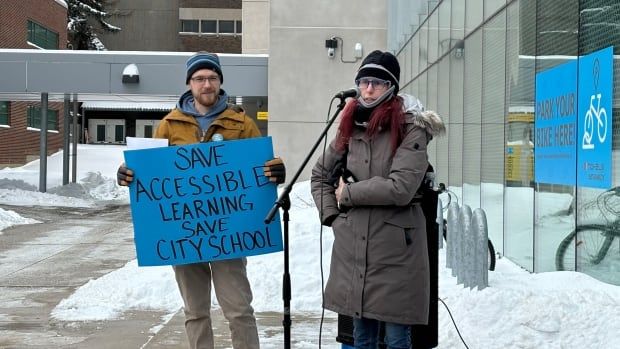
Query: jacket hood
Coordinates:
[429,120]
[186,104]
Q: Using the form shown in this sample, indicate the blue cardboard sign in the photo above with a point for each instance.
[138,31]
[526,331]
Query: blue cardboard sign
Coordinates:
[595,119]
[555,123]
[202,202]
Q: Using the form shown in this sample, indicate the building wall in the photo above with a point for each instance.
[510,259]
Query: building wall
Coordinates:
[476,63]
[146,25]
[156,25]
[218,44]
[14,16]
[302,79]
[18,144]
[255,18]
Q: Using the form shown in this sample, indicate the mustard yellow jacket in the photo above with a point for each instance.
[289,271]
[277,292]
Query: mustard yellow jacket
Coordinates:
[180,128]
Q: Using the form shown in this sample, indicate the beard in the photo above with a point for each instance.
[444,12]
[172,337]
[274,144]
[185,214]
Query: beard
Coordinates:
[206,99]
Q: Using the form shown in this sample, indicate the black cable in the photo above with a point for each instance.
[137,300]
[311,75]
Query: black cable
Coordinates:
[342,49]
[331,103]
[454,323]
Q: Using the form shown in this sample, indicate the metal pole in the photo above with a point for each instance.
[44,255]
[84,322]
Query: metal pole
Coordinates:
[82,128]
[66,141]
[75,139]
[43,145]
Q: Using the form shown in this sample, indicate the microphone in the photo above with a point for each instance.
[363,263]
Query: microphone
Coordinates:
[352,92]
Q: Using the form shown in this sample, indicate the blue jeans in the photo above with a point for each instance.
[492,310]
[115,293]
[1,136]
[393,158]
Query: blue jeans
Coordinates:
[366,331]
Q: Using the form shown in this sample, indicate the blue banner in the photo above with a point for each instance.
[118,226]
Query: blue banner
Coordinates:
[595,119]
[555,123]
[202,202]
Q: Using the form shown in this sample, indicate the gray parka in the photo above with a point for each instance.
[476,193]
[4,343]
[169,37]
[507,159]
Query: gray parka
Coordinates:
[379,265]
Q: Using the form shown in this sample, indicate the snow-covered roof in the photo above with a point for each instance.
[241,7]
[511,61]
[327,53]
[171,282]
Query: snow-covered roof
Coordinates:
[62,3]
[132,106]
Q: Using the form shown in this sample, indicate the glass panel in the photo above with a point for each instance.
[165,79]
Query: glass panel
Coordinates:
[443,109]
[491,6]
[52,40]
[423,36]
[518,161]
[100,133]
[556,38]
[189,25]
[458,22]
[472,119]
[405,67]
[493,111]
[31,31]
[238,28]
[431,103]
[415,55]
[208,26]
[227,27]
[148,131]
[4,113]
[444,27]
[473,15]
[455,124]
[52,119]
[433,37]
[597,249]
[119,133]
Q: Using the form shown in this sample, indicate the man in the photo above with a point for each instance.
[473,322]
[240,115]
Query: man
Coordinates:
[202,115]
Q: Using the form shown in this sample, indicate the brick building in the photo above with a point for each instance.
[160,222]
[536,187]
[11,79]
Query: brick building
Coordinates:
[30,24]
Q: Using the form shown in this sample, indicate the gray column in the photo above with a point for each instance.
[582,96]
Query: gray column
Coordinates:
[43,145]
[75,139]
[66,140]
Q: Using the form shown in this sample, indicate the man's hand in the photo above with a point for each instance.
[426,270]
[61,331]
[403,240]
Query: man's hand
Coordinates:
[124,176]
[274,170]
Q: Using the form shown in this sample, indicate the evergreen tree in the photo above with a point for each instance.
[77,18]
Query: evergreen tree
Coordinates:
[86,18]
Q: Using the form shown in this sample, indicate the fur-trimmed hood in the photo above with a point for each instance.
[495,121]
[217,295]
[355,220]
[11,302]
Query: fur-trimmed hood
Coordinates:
[429,120]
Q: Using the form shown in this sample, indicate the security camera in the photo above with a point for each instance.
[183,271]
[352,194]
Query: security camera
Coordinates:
[331,52]
[330,45]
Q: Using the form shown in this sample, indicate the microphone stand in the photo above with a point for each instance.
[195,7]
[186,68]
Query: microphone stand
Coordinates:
[284,202]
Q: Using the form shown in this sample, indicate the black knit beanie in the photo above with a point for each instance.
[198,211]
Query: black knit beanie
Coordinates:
[203,60]
[382,65]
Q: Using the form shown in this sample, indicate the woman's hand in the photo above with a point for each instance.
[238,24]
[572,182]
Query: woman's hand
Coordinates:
[339,190]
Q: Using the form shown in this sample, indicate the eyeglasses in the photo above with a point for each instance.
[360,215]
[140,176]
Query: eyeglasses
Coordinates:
[375,82]
[202,79]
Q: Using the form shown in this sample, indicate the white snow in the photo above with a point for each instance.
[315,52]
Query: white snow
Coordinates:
[517,310]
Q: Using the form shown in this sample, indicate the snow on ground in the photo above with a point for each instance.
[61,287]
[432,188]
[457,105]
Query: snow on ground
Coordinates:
[517,310]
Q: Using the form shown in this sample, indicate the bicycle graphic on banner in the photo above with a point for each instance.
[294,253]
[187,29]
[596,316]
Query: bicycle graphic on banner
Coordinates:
[599,113]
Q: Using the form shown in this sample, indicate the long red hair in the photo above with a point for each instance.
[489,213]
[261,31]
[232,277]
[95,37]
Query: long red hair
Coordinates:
[387,115]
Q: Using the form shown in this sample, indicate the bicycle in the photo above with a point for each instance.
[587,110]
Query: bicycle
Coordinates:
[492,256]
[592,242]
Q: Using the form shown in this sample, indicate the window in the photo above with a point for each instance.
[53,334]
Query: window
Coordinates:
[189,25]
[119,134]
[208,26]
[148,131]
[227,27]
[238,31]
[4,113]
[34,118]
[42,37]
[100,133]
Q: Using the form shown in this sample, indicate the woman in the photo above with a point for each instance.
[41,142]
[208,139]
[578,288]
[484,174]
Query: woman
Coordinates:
[379,267]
